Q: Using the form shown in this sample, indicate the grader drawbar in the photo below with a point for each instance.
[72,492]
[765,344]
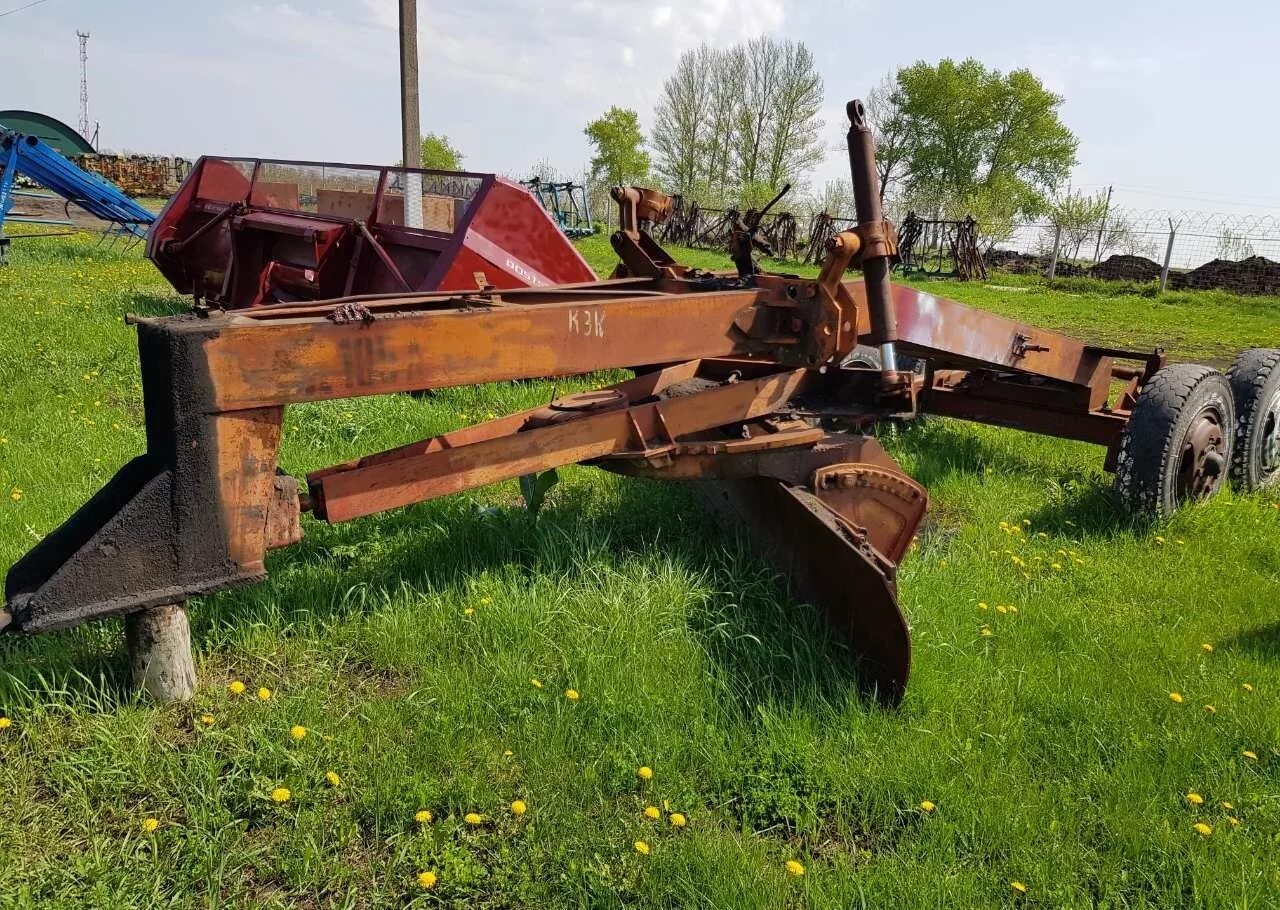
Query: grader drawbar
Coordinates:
[753,382]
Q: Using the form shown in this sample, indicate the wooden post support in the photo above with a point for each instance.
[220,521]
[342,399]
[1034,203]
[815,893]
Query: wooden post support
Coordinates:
[159,644]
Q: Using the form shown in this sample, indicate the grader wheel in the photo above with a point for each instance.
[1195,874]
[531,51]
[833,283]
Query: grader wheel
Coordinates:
[1255,384]
[1177,446]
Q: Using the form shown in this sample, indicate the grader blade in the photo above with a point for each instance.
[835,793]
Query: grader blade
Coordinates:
[830,564]
[834,516]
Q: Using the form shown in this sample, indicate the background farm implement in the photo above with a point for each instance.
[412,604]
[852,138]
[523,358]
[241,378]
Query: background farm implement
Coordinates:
[244,232]
[763,386]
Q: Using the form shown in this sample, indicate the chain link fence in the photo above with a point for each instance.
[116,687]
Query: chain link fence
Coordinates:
[1174,249]
[1178,249]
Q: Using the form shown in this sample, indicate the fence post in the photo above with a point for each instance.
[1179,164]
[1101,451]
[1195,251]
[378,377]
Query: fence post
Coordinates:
[1168,256]
[1057,242]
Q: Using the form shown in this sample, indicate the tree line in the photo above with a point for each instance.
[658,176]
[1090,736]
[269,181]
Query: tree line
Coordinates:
[732,125]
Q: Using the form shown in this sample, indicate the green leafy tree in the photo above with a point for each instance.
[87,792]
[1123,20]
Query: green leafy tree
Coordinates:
[968,136]
[732,120]
[439,154]
[1077,217]
[619,157]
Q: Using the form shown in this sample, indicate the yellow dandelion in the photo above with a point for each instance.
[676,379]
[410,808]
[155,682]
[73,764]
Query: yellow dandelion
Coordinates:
[794,867]
[1012,608]
[264,694]
[5,723]
[1195,798]
[1248,687]
[423,816]
[1226,805]
[1057,567]
[536,683]
[281,795]
[642,847]
[1250,754]
[469,611]
[986,631]
[1001,608]
[332,779]
[644,772]
[1176,697]
[652,813]
[507,753]
[427,880]
[1042,535]
[297,732]
[485,601]
[518,807]
[1210,709]
[1018,886]
[1207,648]
[207,719]
[571,694]
[1159,540]
[678,820]
[1027,522]
[473,818]
[928,805]
[982,606]
[235,687]
[149,825]
[16,495]
[1202,829]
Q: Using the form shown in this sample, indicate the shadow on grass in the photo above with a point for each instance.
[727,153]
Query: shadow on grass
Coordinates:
[1262,642]
[1076,503]
[764,645]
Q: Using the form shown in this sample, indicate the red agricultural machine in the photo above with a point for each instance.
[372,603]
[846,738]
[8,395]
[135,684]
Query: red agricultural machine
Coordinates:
[753,382]
[248,232]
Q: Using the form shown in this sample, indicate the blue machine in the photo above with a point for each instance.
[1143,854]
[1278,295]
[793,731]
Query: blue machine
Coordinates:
[566,202]
[28,156]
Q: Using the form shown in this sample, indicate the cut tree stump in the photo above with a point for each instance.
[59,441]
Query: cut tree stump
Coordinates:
[159,644]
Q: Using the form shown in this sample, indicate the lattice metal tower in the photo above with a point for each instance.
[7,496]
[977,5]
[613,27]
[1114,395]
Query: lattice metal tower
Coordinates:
[84,83]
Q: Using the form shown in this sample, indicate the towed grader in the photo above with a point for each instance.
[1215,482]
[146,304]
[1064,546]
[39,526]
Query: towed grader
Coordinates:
[751,381]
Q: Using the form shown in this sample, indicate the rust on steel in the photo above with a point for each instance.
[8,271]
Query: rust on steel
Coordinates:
[740,385]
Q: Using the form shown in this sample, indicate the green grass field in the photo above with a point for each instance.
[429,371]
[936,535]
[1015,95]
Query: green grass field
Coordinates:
[1040,725]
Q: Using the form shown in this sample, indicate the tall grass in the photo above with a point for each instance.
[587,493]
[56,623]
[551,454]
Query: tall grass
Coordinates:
[1039,721]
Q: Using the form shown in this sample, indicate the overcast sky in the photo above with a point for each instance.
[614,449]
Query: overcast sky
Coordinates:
[1176,103]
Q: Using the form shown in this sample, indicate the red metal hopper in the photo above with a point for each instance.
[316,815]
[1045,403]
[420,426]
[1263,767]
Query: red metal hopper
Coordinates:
[244,232]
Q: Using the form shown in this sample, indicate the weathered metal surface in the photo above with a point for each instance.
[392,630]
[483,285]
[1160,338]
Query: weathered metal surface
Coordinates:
[740,383]
[244,232]
[828,563]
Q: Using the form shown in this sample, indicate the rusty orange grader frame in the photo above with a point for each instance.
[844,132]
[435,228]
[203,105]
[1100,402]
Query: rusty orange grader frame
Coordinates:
[749,380]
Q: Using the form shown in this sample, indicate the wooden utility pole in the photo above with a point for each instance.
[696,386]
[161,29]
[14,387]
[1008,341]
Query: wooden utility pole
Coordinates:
[410,128]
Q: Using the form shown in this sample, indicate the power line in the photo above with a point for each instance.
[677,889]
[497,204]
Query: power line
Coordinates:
[10,12]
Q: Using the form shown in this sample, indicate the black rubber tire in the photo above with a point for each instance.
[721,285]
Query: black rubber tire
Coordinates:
[1255,385]
[1168,407]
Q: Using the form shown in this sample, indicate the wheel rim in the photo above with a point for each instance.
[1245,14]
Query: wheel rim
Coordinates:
[1202,461]
[1269,456]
